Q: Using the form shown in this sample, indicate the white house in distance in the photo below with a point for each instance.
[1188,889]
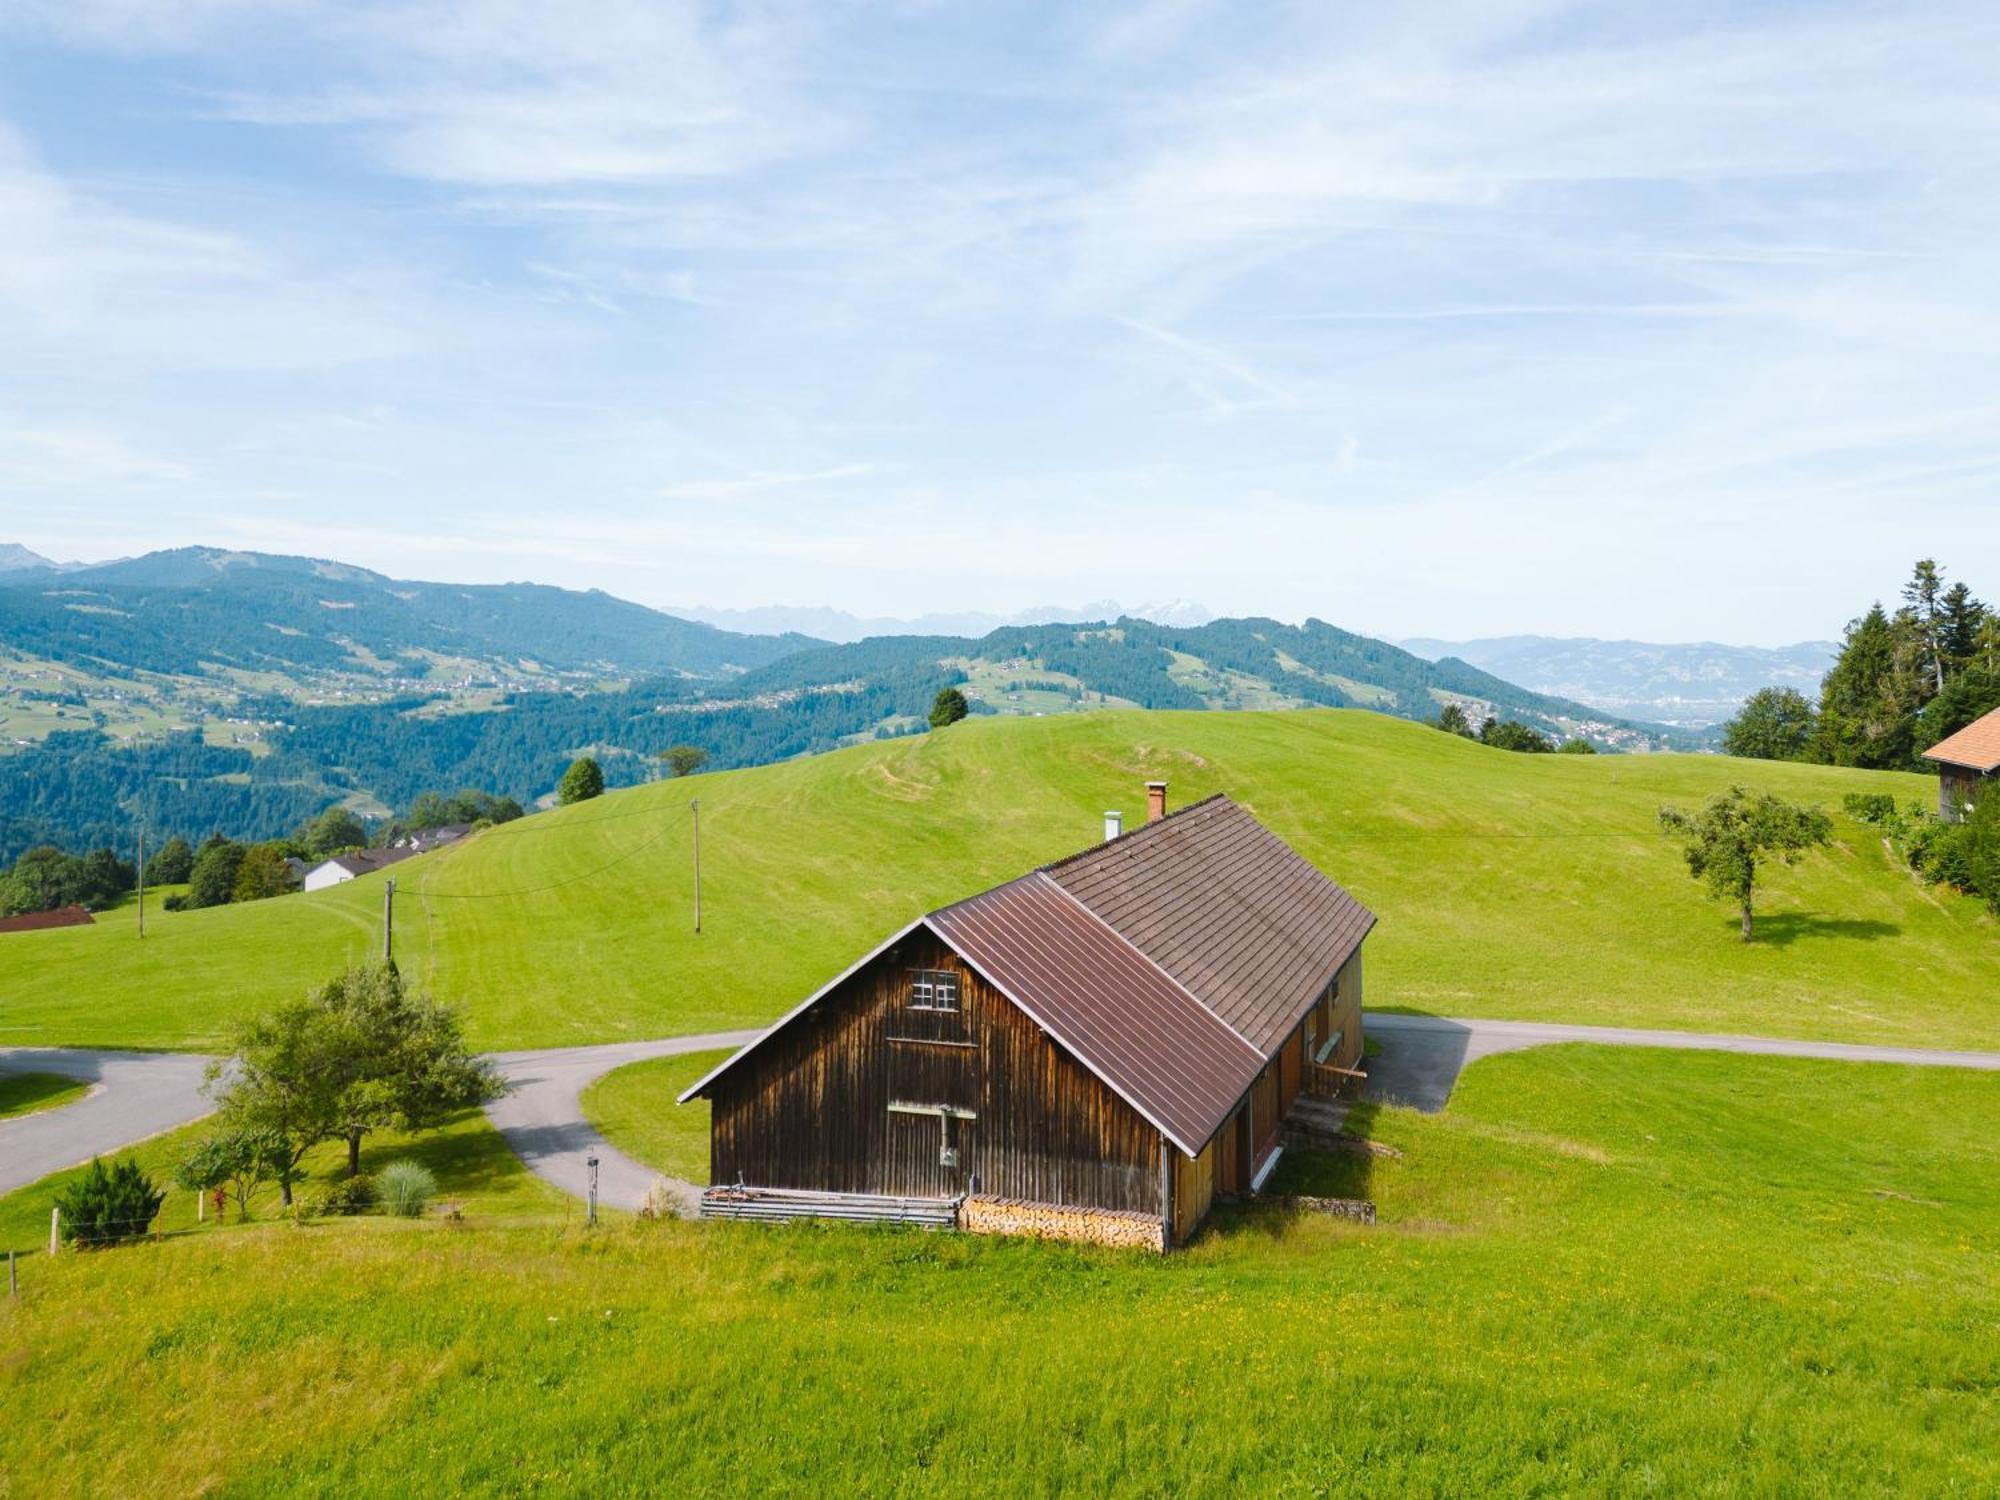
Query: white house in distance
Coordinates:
[345,867]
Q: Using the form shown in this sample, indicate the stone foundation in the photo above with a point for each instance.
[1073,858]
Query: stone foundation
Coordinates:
[984,1214]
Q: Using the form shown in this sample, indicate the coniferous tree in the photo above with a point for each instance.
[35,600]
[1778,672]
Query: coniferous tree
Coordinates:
[1865,707]
[948,707]
[1922,608]
[1961,620]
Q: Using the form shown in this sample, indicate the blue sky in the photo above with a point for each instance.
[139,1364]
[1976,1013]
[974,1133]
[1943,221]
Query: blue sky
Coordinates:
[1465,318]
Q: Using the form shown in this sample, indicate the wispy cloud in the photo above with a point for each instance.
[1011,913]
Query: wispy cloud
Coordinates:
[1461,292]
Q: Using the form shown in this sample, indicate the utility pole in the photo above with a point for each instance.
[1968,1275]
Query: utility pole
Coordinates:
[389,921]
[142,877]
[695,808]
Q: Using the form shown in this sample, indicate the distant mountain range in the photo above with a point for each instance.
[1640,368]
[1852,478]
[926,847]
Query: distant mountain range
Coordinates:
[198,611]
[843,627]
[1689,685]
[301,681]
[14,557]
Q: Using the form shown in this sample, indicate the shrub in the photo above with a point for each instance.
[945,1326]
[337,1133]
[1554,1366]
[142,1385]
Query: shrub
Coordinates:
[175,902]
[351,1195]
[583,780]
[103,1207]
[406,1187]
[1870,807]
[948,707]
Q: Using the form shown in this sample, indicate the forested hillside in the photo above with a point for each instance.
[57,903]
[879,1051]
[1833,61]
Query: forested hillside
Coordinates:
[281,684]
[188,611]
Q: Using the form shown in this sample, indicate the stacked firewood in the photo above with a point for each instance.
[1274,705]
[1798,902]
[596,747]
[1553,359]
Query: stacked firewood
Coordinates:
[985,1214]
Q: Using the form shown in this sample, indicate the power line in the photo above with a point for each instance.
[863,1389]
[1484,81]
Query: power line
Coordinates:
[555,885]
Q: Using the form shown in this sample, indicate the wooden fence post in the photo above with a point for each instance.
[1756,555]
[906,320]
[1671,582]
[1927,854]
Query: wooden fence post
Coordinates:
[13,1277]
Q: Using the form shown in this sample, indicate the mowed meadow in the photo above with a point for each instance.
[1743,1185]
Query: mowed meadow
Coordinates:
[1507,885]
[1601,1270]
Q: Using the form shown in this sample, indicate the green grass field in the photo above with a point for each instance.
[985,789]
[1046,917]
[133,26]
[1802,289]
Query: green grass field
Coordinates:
[26,1093]
[1600,1271]
[634,1108]
[470,1160]
[1507,885]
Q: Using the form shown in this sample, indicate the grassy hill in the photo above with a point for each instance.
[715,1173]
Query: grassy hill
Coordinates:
[1602,1271]
[1507,885]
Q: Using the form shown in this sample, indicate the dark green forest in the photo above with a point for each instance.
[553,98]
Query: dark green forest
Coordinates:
[79,789]
[1904,680]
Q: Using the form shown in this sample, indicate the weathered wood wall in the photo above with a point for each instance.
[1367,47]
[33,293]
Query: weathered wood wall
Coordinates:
[1194,1184]
[1959,788]
[811,1108]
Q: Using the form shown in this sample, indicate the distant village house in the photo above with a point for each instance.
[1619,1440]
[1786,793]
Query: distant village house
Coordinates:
[345,867]
[1096,1050]
[1967,765]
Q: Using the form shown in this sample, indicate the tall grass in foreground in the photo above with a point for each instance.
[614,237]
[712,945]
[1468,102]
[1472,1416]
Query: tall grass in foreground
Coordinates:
[1599,1272]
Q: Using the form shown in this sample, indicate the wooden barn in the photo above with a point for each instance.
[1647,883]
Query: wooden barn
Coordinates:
[1095,1050]
[1968,765]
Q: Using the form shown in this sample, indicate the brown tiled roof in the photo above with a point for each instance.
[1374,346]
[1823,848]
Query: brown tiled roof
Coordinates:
[37,921]
[1172,962]
[1976,747]
[1155,1045]
[1228,909]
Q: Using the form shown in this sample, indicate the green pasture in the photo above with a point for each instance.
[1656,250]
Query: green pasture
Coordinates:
[633,1107]
[1507,885]
[1601,1271]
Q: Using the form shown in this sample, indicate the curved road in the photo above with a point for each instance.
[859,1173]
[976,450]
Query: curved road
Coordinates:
[140,1094]
[133,1095]
[543,1121]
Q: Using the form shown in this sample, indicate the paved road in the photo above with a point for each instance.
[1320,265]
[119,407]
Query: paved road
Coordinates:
[140,1094]
[1422,1056]
[543,1118]
[133,1095]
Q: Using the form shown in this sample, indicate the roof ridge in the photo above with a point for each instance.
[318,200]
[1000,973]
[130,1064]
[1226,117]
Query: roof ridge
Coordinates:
[1124,839]
[1145,957]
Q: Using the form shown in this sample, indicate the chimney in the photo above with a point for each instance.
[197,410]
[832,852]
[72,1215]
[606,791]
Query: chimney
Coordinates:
[1156,801]
[1114,824]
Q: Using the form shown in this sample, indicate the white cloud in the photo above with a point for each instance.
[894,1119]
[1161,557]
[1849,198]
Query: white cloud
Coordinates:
[1435,316]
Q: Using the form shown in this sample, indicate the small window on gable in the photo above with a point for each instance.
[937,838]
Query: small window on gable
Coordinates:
[933,989]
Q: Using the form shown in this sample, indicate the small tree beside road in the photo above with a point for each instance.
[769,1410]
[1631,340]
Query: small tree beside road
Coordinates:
[362,1053]
[239,1160]
[1724,841]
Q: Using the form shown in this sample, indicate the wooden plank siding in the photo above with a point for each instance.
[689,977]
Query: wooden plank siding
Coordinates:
[811,1109]
[1960,788]
[1195,1184]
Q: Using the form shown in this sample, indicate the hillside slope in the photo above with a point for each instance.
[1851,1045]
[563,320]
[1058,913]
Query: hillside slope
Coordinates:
[1507,885]
[194,610]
